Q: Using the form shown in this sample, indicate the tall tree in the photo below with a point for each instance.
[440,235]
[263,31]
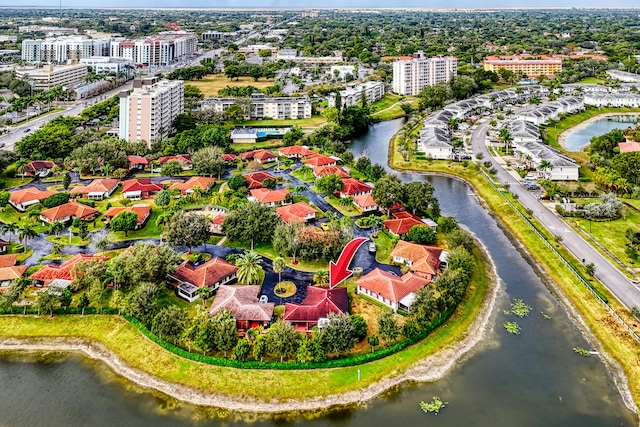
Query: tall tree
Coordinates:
[125,221]
[418,196]
[225,332]
[169,323]
[329,184]
[187,229]
[281,340]
[250,223]
[387,192]
[249,268]
[209,161]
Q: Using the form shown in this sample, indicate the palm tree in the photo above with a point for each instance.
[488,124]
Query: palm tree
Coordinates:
[55,227]
[26,233]
[107,169]
[20,165]
[249,268]
[278,266]
[197,193]
[506,138]
[10,227]
[57,249]
[544,165]
[321,278]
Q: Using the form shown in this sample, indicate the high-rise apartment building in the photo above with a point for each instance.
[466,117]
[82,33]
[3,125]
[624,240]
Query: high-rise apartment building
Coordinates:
[62,49]
[411,75]
[159,50]
[146,114]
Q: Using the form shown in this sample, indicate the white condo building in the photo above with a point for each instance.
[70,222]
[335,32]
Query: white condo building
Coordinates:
[146,114]
[62,49]
[159,50]
[411,75]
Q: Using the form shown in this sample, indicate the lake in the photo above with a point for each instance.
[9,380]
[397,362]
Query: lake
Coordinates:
[580,138]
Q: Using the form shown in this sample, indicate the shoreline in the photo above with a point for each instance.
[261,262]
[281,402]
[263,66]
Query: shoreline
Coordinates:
[563,135]
[431,368]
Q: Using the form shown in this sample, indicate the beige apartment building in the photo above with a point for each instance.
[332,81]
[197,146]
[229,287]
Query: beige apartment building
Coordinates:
[527,66]
[146,114]
[52,75]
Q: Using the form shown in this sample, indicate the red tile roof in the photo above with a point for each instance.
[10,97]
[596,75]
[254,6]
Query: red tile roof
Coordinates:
[319,160]
[262,155]
[390,286]
[424,259]
[264,195]
[12,272]
[364,201]
[183,159]
[195,181]
[75,209]
[295,212]
[143,211]
[295,150]
[141,184]
[8,260]
[64,270]
[243,303]
[255,179]
[228,157]
[138,160]
[206,274]
[330,170]
[318,303]
[104,185]
[36,166]
[28,194]
[352,187]
[401,226]
[629,147]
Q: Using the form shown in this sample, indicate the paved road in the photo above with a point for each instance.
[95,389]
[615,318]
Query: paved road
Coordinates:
[627,292]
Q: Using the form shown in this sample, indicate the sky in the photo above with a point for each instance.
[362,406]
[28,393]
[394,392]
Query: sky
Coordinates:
[324,4]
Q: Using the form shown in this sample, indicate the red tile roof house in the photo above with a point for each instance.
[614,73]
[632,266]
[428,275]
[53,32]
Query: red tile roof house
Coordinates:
[255,179]
[141,188]
[39,168]
[330,170]
[296,212]
[9,271]
[365,203]
[317,305]
[183,159]
[229,158]
[138,162]
[427,261]
[64,271]
[395,292]
[143,212]
[352,188]
[22,199]
[244,305]
[3,245]
[295,152]
[269,198]
[68,212]
[316,160]
[99,189]
[212,273]
[629,147]
[216,223]
[260,156]
[186,188]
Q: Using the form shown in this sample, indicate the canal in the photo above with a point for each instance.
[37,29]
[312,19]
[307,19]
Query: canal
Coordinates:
[531,379]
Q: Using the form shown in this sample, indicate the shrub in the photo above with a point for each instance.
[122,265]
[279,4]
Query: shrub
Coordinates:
[87,202]
[55,200]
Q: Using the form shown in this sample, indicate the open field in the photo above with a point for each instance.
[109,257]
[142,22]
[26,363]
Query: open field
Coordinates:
[313,122]
[212,83]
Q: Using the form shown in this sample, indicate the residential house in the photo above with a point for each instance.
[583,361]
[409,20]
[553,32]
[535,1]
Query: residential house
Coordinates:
[352,188]
[316,160]
[183,159]
[563,168]
[427,261]
[138,163]
[260,156]
[269,198]
[242,135]
[39,168]
[524,131]
[186,188]
[244,305]
[9,271]
[296,212]
[212,273]
[141,188]
[229,158]
[216,222]
[316,307]
[435,143]
[295,152]
[330,170]
[98,189]
[68,212]
[64,271]
[22,199]
[365,203]
[3,246]
[629,147]
[255,179]
[143,212]
[396,292]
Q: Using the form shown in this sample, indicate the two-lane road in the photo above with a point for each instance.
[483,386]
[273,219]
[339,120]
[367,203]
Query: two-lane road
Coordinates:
[626,291]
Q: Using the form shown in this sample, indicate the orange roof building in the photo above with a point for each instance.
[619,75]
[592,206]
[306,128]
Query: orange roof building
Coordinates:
[629,147]
[365,203]
[401,226]
[295,151]
[143,212]
[138,162]
[398,293]
[316,160]
[98,189]
[244,305]
[260,156]
[186,188]
[183,159]
[141,188]
[212,273]
[267,197]
[352,187]
[63,271]
[330,170]
[317,305]
[255,179]
[22,199]
[40,168]
[68,212]
[423,260]
[296,212]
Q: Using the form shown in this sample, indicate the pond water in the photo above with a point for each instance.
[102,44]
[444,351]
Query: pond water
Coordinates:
[581,137]
[532,379]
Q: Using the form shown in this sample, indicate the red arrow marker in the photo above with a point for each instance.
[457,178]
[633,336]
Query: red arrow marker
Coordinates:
[339,271]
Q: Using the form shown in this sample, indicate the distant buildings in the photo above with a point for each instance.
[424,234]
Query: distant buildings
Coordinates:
[262,107]
[62,49]
[352,95]
[159,50]
[526,65]
[411,75]
[108,65]
[52,75]
[146,113]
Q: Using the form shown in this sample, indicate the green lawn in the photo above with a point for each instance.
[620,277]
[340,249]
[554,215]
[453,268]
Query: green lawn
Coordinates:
[349,210]
[387,101]
[311,123]
[150,229]
[241,147]
[305,175]
[590,81]
[65,240]
[266,250]
[385,244]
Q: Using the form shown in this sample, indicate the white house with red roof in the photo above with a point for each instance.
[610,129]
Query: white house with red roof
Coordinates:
[316,160]
[317,305]
[365,203]
[260,156]
[330,170]
[68,212]
[39,168]
[295,152]
[140,188]
[64,271]
[426,261]
[22,199]
[255,179]
[186,188]
[138,162]
[403,221]
[213,273]
[296,212]
[396,292]
[352,187]
[142,211]
[98,189]
[183,159]
[269,198]
[229,158]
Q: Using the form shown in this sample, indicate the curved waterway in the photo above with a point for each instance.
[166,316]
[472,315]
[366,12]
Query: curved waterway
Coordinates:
[578,139]
[532,379]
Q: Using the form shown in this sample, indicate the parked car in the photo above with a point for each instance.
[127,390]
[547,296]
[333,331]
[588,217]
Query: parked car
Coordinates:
[372,248]
[27,130]
[325,226]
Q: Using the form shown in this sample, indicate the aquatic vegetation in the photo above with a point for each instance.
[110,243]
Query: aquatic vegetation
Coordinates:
[581,351]
[519,308]
[434,406]
[545,315]
[512,327]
